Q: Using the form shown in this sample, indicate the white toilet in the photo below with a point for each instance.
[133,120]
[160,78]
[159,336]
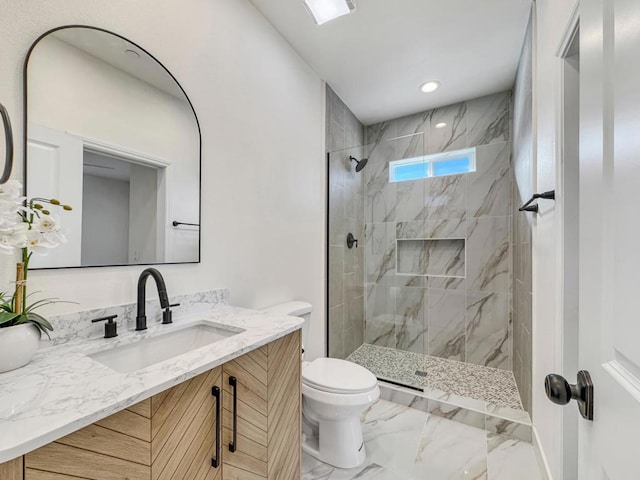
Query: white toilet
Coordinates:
[335,393]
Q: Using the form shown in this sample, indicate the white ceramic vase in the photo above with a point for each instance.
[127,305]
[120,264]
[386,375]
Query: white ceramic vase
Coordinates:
[18,345]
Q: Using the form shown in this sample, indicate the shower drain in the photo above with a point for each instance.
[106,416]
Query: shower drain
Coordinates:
[420,373]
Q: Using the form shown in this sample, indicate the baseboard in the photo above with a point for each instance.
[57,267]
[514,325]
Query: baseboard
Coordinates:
[541,457]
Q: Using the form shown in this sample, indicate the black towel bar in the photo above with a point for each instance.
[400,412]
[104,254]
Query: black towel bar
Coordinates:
[527,207]
[176,224]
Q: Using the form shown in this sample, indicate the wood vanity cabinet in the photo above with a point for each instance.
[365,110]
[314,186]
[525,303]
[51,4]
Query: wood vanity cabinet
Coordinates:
[172,435]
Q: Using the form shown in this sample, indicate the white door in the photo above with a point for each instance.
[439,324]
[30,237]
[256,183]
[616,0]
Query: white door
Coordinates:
[54,170]
[609,446]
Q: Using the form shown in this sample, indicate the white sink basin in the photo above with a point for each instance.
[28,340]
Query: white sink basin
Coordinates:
[150,351]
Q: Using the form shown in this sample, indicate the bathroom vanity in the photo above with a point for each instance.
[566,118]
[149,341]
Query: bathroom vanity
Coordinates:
[229,410]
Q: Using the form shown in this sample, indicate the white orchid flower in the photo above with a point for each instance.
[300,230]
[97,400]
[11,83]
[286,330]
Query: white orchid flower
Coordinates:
[13,238]
[49,226]
[38,243]
[10,190]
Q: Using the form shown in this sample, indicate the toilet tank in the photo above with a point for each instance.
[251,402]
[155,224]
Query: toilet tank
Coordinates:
[293,309]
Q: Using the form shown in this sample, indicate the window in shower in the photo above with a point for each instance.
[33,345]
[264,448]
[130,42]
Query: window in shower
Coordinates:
[438,165]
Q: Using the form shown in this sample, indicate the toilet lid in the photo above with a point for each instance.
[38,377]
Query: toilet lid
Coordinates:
[338,376]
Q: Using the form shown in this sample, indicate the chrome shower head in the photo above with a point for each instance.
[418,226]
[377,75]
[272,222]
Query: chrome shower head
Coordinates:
[360,164]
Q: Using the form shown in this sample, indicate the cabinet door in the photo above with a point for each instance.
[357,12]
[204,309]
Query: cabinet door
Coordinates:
[184,426]
[261,417]
[11,470]
[115,448]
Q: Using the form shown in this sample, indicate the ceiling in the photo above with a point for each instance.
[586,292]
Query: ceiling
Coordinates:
[377,57]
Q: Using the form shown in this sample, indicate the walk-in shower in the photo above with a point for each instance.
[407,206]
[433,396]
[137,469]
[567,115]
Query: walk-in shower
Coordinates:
[424,301]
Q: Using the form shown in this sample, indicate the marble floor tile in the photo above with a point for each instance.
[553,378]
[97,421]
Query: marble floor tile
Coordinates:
[403,443]
[391,435]
[449,450]
[509,459]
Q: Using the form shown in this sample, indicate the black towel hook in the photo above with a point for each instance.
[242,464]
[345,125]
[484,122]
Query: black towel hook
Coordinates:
[527,207]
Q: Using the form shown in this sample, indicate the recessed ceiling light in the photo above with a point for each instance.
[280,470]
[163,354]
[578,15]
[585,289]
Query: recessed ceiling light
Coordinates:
[132,53]
[324,10]
[430,86]
[441,125]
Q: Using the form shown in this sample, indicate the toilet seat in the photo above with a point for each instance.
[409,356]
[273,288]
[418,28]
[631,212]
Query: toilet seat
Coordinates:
[332,375]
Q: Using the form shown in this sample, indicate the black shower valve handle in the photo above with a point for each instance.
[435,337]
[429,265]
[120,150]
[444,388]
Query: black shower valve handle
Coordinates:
[351,241]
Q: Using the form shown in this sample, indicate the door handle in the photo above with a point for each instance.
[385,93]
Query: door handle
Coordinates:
[561,392]
[215,461]
[233,381]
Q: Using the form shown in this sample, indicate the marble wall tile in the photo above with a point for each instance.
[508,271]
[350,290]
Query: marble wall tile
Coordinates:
[446,197]
[477,207]
[349,341]
[411,319]
[336,136]
[337,227]
[446,228]
[345,137]
[410,201]
[488,119]
[380,262]
[488,254]
[444,257]
[410,146]
[411,257]
[454,135]
[375,134]
[414,229]
[416,124]
[336,332]
[335,107]
[336,276]
[488,333]
[380,326]
[446,315]
[447,283]
[489,187]
[523,187]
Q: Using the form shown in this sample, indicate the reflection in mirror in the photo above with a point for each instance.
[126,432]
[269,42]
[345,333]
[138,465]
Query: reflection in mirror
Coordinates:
[111,132]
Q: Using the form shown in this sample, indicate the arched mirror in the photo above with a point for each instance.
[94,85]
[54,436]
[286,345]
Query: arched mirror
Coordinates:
[110,131]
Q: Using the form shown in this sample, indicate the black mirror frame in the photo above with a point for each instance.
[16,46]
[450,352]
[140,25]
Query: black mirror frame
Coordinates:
[8,145]
[25,139]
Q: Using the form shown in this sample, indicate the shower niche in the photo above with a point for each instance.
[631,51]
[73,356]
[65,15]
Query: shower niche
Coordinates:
[431,257]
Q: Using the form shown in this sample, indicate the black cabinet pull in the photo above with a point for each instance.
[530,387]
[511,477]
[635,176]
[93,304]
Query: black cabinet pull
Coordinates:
[233,381]
[215,461]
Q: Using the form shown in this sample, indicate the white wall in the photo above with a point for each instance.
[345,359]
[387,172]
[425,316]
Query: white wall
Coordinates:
[105,221]
[261,112]
[552,19]
[72,91]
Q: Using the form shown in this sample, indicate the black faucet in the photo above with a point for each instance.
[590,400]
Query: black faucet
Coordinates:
[141,318]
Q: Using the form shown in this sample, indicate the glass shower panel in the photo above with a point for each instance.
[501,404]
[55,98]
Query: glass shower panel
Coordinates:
[346,265]
[378,314]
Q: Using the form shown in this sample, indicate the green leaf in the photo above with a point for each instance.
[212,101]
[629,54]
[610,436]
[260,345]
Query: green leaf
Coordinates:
[7,317]
[40,321]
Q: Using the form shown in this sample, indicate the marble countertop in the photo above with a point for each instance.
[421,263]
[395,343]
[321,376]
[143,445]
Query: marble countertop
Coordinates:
[63,389]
